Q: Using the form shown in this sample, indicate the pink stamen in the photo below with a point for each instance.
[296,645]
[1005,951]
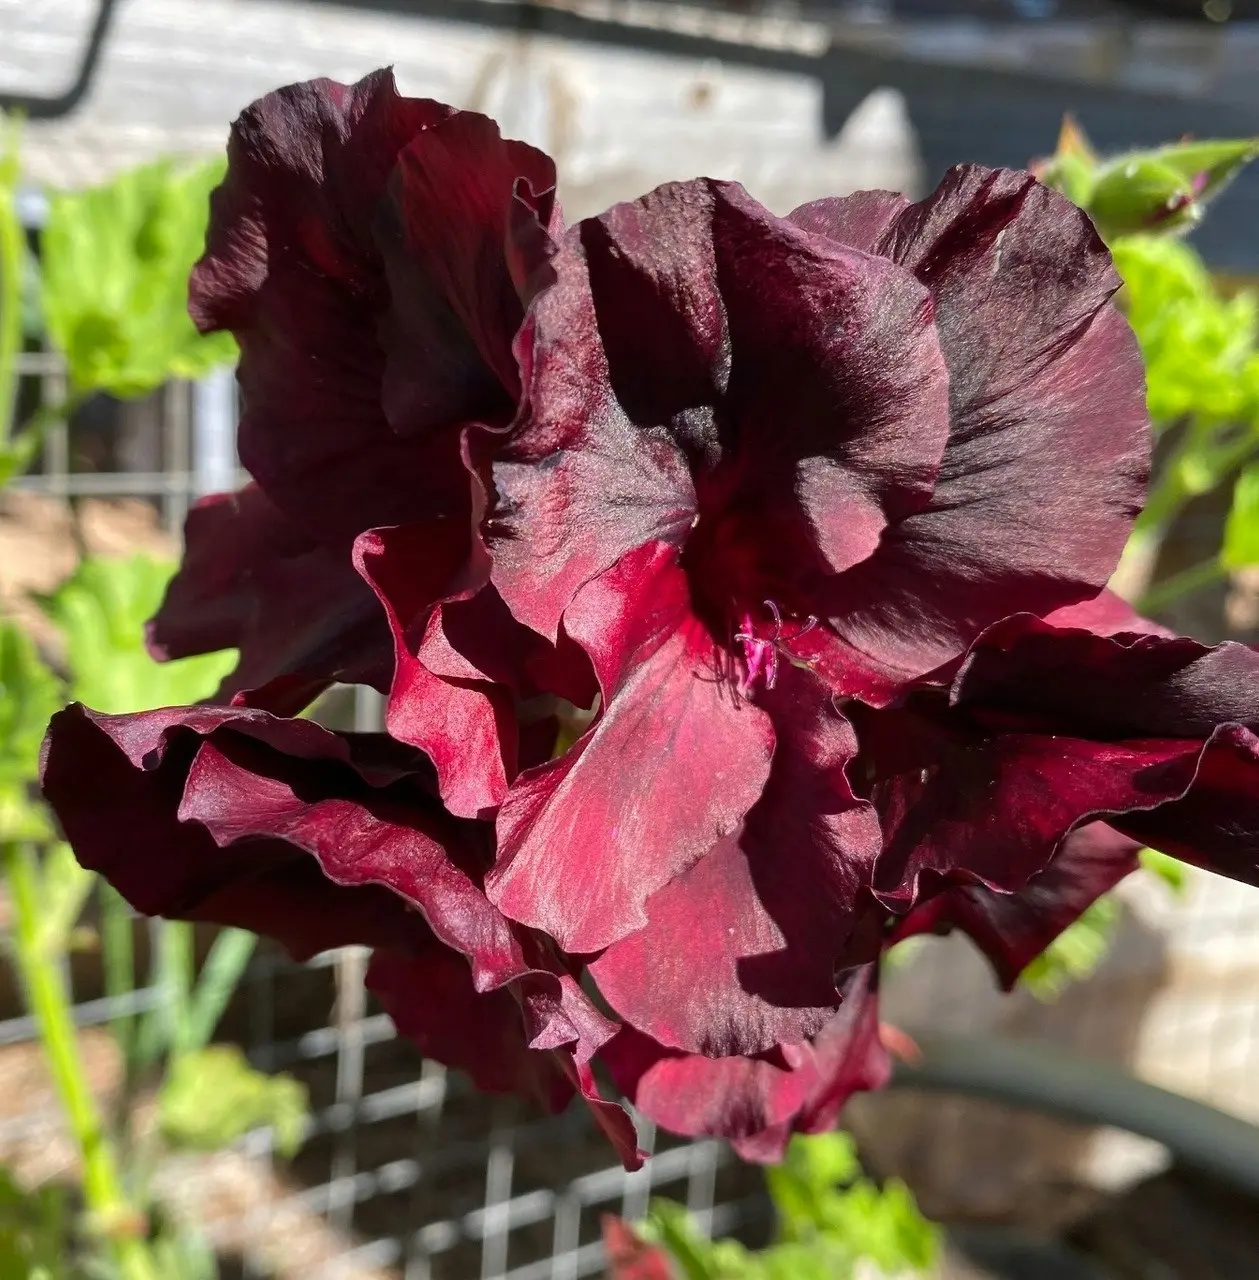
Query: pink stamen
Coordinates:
[761,653]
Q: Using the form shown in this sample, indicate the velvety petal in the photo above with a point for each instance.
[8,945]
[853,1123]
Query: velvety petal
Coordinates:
[466,724]
[1214,821]
[296,610]
[492,1039]
[357,836]
[1107,614]
[433,1003]
[1047,458]
[758,1102]
[740,951]
[578,486]
[116,784]
[292,270]
[586,839]
[456,266]
[859,220]
[1109,686]
[797,383]
[1048,729]
[1012,929]
[462,663]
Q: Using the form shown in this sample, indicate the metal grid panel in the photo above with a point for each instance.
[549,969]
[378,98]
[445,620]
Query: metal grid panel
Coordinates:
[418,1175]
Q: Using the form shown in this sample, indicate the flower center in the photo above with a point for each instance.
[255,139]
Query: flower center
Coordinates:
[747,571]
[761,651]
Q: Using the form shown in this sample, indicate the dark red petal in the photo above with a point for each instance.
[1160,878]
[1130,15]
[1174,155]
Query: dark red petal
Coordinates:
[357,837]
[859,220]
[740,952]
[578,486]
[1012,929]
[292,270]
[1049,729]
[116,783]
[294,608]
[586,839]
[1109,687]
[757,1103]
[1214,823]
[1047,458]
[1107,615]
[632,1258]
[837,377]
[693,334]
[465,724]
[450,253]
[432,1001]
[461,661]
[496,1042]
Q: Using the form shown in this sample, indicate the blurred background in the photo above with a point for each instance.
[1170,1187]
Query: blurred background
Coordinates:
[402,1171]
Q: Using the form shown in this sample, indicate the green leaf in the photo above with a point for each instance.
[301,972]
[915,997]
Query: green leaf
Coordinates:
[212,1097]
[64,886]
[1199,346]
[101,611]
[34,1232]
[1171,871]
[1241,531]
[1075,953]
[830,1219]
[29,694]
[116,260]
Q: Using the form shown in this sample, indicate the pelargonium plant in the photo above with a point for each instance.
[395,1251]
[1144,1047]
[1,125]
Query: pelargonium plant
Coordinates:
[737,584]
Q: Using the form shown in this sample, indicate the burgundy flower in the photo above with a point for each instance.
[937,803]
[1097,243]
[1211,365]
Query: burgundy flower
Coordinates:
[233,816]
[764,465]
[373,255]
[1126,739]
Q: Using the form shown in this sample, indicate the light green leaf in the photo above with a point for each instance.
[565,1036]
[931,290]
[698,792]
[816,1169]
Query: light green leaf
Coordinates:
[115,279]
[1075,953]
[29,694]
[1199,346]
[212,1097]
[101,611]
[34,1232]
[1171,871]
[64,886]
[1241,531]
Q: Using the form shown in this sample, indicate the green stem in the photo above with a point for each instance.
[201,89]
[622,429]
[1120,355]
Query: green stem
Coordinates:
[164,1030]
[1172,491]
[118,953]
[220,976]
[11,257]
[49,1004]
[1180,584]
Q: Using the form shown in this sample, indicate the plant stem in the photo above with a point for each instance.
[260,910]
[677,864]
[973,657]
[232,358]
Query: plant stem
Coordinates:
[49,1004]
[11,257]
[220,976]
[1180,584]
[118,954]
